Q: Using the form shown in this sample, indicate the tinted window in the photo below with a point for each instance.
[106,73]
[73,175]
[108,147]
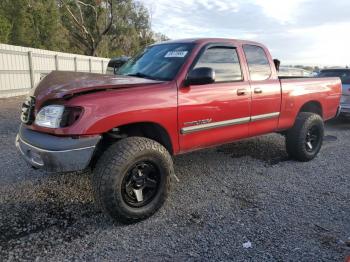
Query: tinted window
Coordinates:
[258,64]
[160,62]
[224,61]
[343,74]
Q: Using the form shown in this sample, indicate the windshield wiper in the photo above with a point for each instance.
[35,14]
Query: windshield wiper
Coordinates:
[138,74]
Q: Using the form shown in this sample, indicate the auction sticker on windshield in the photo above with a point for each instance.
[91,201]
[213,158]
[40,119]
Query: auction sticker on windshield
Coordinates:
[176,54]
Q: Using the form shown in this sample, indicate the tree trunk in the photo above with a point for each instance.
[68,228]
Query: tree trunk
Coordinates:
[92,51]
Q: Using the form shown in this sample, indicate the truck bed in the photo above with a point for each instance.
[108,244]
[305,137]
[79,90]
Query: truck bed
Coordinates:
[296,91]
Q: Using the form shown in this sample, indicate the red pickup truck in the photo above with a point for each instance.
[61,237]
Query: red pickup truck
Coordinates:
[173,97]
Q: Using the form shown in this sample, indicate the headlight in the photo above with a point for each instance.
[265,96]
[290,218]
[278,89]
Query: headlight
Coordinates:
[50,116]
[55,116]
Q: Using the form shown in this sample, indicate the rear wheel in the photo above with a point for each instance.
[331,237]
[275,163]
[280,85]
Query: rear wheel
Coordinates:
[132,178]
[304,139]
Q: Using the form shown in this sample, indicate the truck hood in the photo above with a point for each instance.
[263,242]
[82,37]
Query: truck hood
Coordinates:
[61,84]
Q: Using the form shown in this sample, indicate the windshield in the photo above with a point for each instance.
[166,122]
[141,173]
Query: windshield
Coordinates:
[158,62]
[343,74]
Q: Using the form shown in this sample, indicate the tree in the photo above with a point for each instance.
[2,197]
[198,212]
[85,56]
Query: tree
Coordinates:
[46,27]
[88,22]
[107,28]
[92,27]
[15,13]
[5,29]
[33,23]
[131,30]
[159,37]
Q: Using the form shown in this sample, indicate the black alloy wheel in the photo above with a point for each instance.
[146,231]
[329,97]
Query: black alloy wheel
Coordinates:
[141,184]
[313,138]
[304,139]
[131,179]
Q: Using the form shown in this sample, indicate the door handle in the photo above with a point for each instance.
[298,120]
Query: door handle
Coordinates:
[241,91]
[257,90]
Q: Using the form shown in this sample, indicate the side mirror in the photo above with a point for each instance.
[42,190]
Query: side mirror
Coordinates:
[277,64]
[200,76]
[116,62]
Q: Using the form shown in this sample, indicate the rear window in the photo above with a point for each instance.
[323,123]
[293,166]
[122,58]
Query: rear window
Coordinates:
[258,63]
[344,75]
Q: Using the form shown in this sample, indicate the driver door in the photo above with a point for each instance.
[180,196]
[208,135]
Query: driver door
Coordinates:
[219,112]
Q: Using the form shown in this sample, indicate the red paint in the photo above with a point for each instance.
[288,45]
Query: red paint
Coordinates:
[115,101]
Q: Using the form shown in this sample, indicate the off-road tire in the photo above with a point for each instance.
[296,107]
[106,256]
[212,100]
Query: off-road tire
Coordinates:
[297,135]
[113,166]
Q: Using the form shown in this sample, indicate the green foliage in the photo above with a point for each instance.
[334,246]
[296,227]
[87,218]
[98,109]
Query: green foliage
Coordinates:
[44,20]
[33,23]
[131,30]
[5,29]
[92,27]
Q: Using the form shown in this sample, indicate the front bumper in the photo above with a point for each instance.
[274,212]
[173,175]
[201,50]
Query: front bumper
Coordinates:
[55,154]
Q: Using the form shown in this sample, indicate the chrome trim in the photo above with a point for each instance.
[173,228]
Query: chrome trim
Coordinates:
[231,122]
[237,121]
[52,151]
[198,122]
[264,116]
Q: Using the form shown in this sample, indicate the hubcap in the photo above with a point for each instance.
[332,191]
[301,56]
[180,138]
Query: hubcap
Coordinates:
[141,184]
[312,139]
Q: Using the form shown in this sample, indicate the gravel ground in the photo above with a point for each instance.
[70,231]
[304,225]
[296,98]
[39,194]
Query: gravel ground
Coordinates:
[227,196]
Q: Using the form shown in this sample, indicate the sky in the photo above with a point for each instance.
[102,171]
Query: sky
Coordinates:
[307,32]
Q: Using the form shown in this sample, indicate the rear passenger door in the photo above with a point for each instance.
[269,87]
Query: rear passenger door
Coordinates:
[215,113]
[266,91]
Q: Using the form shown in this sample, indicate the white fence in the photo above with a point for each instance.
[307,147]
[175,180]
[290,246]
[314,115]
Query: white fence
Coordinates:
[21,68]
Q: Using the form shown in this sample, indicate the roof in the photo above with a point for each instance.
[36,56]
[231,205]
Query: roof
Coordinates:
[207,40]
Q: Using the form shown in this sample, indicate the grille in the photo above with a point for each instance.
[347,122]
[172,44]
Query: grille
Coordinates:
[27,115]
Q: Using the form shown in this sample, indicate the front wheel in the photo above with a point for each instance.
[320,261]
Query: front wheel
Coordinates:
[132,178]
[304,139]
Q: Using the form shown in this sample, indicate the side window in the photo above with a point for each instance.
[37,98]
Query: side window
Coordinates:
[258,64]
[224,61]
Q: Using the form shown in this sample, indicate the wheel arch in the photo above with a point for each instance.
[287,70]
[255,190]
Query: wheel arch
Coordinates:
[312,107]
[149,130]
